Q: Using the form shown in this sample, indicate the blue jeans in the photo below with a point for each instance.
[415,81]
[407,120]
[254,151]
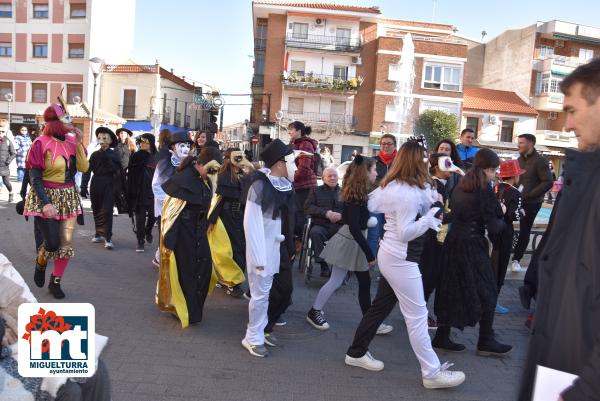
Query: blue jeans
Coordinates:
[20,173]
[374,234]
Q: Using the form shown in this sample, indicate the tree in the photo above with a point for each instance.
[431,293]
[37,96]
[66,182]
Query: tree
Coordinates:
[436,125]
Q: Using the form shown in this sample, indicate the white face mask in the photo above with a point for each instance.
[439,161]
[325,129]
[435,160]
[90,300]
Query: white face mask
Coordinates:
[104,140]
[290,163]
[182,149]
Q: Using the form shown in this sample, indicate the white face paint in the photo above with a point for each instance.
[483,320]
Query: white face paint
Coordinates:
[182,149]
[290,163]
[104,140]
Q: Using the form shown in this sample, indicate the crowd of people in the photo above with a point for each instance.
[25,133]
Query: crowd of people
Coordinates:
[435,220]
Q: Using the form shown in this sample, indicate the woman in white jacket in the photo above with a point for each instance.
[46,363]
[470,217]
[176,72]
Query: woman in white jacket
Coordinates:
[406,198]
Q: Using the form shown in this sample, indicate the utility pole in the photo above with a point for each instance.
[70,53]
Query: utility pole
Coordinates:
[434,9]
[221,118]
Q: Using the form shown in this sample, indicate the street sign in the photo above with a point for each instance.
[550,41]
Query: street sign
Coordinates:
[254,140]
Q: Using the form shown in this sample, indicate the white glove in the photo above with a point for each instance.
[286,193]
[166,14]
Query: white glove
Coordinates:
[280,238]
[372,222]
[433,222]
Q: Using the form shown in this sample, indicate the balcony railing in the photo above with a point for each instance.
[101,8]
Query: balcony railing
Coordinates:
[320,42]
[320,118]
[258,81]
[127,111]
[299,79]
[260,44]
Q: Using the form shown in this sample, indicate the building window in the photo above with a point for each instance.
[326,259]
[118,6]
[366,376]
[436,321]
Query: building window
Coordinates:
[186,123]
[177,119]
[40,50]
[77,10]
[337,111]
[40,11]
[129,96]
[473,124]
[340,72]
[394,72]
[342,36]
[76,50]
[391,113]
[548,83]
[296,105]
[6,10]
[299,31]
[298,67]
[5,50]
[39,93]
[5,89]
[546,51]
[72,91]
[442,76]
[586,55]
[506,132]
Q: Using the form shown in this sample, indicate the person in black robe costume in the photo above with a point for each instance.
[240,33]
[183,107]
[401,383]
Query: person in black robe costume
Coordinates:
[106,166]
[467,291]
[140,197]
[187,237]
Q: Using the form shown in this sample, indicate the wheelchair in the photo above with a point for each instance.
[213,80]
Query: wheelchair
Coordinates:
[306,252]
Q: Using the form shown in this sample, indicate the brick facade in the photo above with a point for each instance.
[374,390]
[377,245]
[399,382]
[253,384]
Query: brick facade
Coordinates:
[274,59]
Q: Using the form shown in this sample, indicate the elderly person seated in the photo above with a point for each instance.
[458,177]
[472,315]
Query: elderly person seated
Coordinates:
[324,206]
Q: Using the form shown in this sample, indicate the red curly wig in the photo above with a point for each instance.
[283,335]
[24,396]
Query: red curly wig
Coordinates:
[54,127]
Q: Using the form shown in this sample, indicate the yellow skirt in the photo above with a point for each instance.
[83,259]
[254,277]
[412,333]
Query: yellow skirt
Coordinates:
[65,200]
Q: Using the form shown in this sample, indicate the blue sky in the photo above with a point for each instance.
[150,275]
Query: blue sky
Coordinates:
[211,41]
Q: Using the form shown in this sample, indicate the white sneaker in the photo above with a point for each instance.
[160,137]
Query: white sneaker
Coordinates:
[155,262]
[108,245]
[516,266]
[444,378]
[255,350]
[96,239]
[384,329]
[366,362]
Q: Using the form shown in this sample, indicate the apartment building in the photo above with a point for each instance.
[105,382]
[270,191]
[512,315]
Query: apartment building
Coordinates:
[151,98]
[532,61]
[45,46]
[335,67]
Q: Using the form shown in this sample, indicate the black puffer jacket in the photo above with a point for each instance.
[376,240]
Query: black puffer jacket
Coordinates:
[320,200]
[7,155]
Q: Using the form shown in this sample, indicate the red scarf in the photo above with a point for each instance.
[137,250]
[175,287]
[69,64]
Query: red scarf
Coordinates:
[387,158]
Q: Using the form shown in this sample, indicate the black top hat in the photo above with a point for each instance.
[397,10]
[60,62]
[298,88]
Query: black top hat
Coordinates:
[180,136]
[124,129]
[149,138]
[106,130]
[274,152]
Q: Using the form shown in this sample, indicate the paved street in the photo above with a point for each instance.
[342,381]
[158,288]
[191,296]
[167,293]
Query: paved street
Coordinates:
[151,358]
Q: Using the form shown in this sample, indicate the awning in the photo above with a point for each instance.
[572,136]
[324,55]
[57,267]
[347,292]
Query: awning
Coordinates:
[147,127]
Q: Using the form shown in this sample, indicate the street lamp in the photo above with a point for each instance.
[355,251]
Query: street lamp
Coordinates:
[95,65]
[9,98]
[279,117]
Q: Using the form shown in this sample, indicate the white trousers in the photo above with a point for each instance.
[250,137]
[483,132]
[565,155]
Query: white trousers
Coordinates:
[405,279]
[260,286]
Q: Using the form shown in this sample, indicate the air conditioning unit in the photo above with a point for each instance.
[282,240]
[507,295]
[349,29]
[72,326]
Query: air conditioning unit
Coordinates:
[493,119]
[356,60]
[552,115]
[559,43]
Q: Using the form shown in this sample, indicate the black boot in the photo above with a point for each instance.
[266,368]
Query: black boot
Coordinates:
[442,341]
[39,277]
[525,296]
[149,237]
[488,346]
[54,287]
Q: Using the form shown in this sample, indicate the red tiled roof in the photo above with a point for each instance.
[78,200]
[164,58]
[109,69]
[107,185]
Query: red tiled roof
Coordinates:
[495,100]
[322,6]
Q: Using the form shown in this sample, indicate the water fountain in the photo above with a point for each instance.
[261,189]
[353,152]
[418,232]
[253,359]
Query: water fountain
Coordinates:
[404,88]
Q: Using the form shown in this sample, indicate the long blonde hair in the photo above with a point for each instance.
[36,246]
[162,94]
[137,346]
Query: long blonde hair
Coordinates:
[408,166]
[356,185]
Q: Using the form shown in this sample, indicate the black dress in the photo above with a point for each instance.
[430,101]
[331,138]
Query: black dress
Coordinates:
[467,286]
[188,240]
[140,197]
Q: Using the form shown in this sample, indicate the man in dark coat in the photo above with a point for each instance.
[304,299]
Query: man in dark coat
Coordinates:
[566,329]
[536,181]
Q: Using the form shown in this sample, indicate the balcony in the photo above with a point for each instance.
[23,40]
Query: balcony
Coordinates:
[327,43]
[260,44]
[127,111]
[258,81]
[321,120]
[318,82]
[548,101]
[561,65]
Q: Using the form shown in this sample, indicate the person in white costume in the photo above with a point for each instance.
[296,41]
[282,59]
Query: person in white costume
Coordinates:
[269,200]
[410,205]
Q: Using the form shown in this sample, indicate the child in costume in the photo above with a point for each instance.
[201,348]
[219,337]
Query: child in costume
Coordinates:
[106,166]
[269,201]
[53,160]
[510,198]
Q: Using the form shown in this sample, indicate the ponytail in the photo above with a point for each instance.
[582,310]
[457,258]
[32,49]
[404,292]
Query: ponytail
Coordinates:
[299,126]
